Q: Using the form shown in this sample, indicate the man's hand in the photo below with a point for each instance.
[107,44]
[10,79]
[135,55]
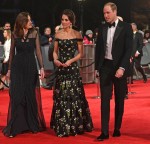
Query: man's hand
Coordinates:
[136,54]
[119,73]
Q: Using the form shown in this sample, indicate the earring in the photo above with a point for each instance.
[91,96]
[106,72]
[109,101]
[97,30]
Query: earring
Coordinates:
[71,26]
[61,26]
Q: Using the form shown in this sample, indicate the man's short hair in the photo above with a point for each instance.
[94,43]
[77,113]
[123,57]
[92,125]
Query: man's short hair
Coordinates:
[112,5]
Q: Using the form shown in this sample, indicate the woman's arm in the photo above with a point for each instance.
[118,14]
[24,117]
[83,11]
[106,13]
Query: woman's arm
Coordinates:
[11,55]
[55,52]
[39,56]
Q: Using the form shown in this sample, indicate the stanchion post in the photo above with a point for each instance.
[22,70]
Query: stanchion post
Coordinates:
[98,89]
[129,86]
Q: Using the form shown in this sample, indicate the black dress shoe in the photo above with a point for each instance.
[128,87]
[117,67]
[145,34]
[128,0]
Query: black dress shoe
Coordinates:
[102,137]
[116,133]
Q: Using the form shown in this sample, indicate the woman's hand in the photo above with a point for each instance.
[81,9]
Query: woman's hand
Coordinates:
[67,63]
[42,73]
[8,74]
[58,63]
[5,61]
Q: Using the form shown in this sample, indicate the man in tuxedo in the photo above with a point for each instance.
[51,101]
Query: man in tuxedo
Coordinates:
[137,52]
[112,61]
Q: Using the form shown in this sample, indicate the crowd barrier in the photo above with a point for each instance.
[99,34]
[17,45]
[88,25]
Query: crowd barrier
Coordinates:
[86,63]
[48,65]
[145,60]
[87,66]
[146,54]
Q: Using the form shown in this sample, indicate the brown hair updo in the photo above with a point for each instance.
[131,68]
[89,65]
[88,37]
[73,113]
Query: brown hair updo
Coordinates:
[70,14]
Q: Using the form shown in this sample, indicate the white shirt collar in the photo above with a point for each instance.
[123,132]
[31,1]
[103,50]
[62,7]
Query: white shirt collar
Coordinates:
[116,22]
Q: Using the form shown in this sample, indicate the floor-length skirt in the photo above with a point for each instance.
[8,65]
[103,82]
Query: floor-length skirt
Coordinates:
[25,108]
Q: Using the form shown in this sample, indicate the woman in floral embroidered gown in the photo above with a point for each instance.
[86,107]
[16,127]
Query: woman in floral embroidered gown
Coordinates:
[70,114]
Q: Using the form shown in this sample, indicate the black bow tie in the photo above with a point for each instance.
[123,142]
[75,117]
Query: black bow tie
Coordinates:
[110,25]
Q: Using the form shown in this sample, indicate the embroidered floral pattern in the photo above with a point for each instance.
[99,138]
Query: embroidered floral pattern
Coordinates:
[71,114]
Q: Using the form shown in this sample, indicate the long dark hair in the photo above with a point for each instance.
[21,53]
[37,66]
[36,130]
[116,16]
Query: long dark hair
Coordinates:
[20,23]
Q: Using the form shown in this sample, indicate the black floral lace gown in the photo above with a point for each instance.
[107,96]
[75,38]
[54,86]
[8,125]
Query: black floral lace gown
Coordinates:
[70,114]
[25,108]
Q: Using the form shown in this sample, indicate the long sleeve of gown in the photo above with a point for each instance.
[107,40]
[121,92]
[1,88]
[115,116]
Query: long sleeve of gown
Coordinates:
[12,51]
[38,52]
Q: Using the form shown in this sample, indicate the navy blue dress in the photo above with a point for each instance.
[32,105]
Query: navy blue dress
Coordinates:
[25,108]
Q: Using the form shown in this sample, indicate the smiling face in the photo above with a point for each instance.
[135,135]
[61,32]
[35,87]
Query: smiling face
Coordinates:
[65,21]
[110,15]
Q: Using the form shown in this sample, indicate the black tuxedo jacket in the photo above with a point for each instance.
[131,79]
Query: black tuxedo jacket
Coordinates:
[137,43]
[121,47]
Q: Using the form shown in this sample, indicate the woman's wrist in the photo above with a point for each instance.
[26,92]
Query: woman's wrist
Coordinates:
[71,60]
[55,59]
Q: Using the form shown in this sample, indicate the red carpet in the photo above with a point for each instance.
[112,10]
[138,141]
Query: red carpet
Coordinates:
[135,127]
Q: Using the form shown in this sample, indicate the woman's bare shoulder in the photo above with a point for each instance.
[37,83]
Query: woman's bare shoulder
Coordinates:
[59,34]
[78,34]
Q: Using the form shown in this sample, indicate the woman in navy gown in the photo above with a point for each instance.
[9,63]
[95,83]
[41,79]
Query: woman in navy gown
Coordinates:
[25,108]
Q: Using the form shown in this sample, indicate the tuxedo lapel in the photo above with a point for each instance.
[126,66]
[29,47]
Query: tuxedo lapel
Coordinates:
[117,31]
[105,35]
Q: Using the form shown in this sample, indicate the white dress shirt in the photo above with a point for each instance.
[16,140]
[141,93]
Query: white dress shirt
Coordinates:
[110,36]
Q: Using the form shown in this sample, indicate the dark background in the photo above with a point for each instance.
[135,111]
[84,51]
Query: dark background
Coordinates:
[47,12]
[140,13]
